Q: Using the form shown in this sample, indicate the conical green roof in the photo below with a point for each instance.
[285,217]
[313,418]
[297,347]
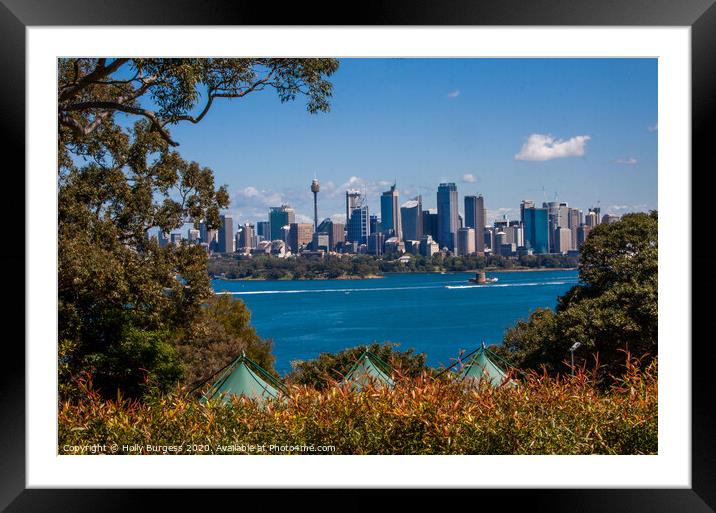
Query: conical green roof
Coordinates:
[240,379]
[481,366]
[367,370]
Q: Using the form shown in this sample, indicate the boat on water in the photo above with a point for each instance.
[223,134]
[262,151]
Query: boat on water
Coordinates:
[481,279]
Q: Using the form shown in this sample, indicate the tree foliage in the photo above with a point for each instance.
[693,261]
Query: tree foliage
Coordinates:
[121,296]
[612,310]
[328,368]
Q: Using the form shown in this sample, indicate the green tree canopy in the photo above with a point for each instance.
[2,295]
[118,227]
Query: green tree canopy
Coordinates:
[120,178]
[330,367]
[613,309]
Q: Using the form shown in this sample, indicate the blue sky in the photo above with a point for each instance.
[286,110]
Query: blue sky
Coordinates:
[585,130]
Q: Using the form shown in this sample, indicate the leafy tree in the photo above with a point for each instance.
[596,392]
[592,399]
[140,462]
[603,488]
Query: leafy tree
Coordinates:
[220,333]
[328,367]
[612,310]
[123,300]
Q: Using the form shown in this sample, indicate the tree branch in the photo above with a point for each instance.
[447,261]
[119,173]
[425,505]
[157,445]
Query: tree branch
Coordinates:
[112,106]
[100,71]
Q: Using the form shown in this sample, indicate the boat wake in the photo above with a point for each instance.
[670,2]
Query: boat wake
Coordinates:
[494,285]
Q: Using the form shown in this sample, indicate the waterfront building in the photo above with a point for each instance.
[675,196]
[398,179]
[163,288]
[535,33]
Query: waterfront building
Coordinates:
[390,213]
[278,218]
[475,216]
[359,226]
[500,239]
[428,247]
[430,223]
[247,236]
[563,240]
[515,233]
[336,233]
[525,204]
[447,215]
[508,249]
[263,229]
[376,243]
[465,241]
[536,229]
[226,235]
[411,215]
[299,236]
[320,242]
[393,245]
[353,200]
[412,246]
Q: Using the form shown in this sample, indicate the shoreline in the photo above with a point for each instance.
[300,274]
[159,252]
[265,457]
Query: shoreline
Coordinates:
[340,278]
[377,276]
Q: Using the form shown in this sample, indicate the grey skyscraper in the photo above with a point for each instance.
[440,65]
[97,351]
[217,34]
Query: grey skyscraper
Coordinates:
[247,238]
[465,241]
[475,215]
[390,213]
[411,215]
[447,215]
[353,200]
[226,235]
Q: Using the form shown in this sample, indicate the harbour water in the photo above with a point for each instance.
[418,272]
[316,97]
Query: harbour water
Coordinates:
[438,314]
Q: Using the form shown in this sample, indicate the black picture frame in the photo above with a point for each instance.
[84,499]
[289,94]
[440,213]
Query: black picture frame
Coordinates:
[16,15]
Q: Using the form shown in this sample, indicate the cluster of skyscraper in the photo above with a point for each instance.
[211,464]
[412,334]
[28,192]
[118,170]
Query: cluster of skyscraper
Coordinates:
[552,228]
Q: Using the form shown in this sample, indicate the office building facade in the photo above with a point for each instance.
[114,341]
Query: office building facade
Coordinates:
[536,229]
[278,218]
[447,215]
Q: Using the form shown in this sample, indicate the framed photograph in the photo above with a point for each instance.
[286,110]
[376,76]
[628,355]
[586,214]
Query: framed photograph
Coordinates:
[250,235]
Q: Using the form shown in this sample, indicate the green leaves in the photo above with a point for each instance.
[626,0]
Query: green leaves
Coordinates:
[126,306]
[613,309]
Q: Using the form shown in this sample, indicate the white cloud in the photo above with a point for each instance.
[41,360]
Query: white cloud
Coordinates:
[623,209]
[653,128]
[338,218]
[252,197]
[630,161]
[454,94]
[540,147]
[302,218]
[469,178]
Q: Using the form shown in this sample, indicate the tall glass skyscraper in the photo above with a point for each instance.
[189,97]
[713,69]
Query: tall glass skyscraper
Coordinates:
[359,225]
[390,213]
[411,215]
[447,215]
[537,229]
[475,215]
[278,218]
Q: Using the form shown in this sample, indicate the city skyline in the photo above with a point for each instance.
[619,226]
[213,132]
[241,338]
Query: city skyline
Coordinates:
[510,129]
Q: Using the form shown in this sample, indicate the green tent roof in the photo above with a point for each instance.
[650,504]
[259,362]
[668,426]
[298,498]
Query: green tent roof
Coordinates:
[244,377]
[481,366]
[369,369]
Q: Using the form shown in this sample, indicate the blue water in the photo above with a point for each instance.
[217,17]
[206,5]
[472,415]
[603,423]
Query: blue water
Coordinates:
[437,314]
